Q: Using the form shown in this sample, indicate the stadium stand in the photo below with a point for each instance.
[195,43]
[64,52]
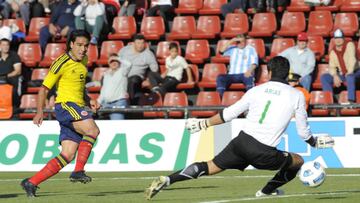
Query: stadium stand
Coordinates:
[182,28]
[107,48]
[320,23]
[52,51]
[175,99]
[235,23]
[210,73]
[30,54]
[197,51]
[212,7]
[208,27]
[34,29]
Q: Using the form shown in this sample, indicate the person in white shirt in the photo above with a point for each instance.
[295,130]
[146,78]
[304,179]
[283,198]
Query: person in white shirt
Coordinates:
[163,7]
[175,65]
[113,92]
[270,108]
[243,62]
[89,16]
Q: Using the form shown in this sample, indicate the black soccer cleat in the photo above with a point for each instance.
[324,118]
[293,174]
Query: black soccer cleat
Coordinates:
[29,188]
[79,176]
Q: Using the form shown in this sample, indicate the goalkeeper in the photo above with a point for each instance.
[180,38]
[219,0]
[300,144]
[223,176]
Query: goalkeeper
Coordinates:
[270,108]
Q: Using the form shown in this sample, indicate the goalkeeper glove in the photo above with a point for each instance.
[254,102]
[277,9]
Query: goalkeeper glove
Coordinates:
[321,142]
[195,125]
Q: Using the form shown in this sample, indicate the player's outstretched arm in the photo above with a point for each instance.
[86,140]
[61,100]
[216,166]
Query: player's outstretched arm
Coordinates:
[195,125]
[37,120]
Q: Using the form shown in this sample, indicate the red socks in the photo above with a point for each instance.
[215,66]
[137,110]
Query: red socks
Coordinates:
[50,169]
[84,151]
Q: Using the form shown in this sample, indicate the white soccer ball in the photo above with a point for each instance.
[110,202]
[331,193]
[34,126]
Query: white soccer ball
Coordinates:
[312,174]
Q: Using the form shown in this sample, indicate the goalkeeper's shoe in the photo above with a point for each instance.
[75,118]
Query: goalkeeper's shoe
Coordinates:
[29,188]
[79,176]
[155,187]
[277,192]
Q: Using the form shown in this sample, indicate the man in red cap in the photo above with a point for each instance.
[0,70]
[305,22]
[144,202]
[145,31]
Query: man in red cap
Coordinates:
[302,60]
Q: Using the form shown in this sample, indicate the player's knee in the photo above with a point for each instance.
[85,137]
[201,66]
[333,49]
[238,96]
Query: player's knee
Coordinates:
[195,170]
[297,161]
[93,131]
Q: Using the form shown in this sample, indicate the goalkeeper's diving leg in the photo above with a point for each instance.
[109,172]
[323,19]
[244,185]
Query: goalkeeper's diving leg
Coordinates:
[287,172]
[193,171]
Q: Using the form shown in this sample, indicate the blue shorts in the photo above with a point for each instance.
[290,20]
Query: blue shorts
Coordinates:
[66,113]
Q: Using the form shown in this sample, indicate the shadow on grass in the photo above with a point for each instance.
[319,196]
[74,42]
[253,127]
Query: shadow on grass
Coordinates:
[5,196]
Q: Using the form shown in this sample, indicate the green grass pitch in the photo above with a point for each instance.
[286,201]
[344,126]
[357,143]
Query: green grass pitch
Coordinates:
[341,185]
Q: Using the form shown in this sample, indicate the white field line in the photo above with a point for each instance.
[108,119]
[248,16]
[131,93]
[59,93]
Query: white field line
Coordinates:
[281,196]
[206,177]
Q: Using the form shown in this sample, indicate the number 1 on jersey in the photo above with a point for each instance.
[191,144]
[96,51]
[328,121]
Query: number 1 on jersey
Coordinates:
[264,112]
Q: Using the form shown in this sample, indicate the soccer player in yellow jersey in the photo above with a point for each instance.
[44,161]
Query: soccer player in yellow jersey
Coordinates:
[78,129]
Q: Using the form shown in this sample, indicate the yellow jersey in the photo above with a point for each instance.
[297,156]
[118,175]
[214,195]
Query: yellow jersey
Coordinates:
[69,77]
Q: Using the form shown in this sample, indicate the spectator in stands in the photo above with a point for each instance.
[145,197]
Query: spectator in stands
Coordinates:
[243,62]
[232,5]
[89,16]
[140,58]
[162,8]
[128,8]
[114,86]
[62,22]
[343,66]
[5,31]
[294,81]
[175,65]
[302,60]
[10,69]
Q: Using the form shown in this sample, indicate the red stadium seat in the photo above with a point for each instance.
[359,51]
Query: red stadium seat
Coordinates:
[124,27]
[299,6]
[34,29]
[320,23]
[206,99]
[347,22]
[230,97]
[350,5]
[37,75]
[208,27]
[333,7]
[263,25]
[321,97]
[18,22]
[262,75]
[93,95]
[6,106]
[189,6]
[52,51]
[162,50]
[107,48]
[259,45]
[320,70]
[30,54]
[152,27]
[92,54]
[317,45]
[185,84]
[212,7]
[175,99]
[235,23]
[292,23]
[182,28]
[152,99]
[279,45]
[197,51]
[28,101]
[210,73]
[96,77]
[343,99]
[219,58]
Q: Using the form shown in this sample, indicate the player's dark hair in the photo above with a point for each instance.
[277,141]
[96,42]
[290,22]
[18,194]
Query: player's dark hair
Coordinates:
[279,67]
[5,40]
[139,37]
[75,34]
[173,45]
